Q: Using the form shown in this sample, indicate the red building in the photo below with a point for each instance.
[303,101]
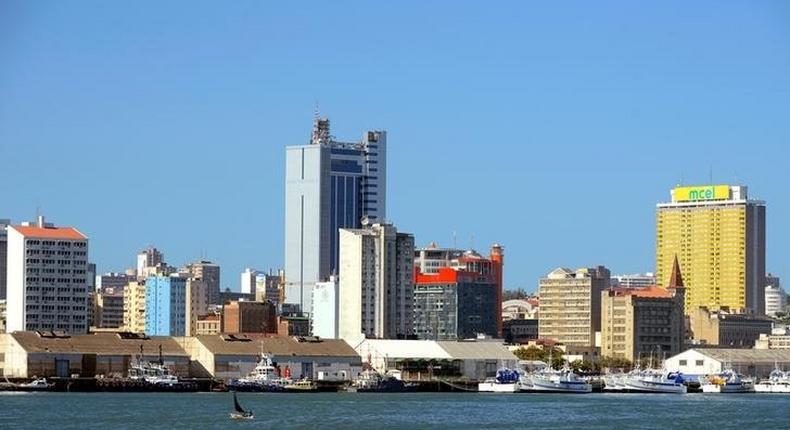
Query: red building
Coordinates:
[461,299]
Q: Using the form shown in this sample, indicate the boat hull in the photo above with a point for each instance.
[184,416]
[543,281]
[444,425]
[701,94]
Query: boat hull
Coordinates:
[491,387]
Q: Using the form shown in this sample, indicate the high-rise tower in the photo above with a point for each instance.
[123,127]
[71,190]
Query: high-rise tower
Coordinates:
[718,235]
[329,185]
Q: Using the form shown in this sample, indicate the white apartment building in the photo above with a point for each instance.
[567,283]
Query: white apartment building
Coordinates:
[775,300]
[47,278]
[377,283]
[637,280]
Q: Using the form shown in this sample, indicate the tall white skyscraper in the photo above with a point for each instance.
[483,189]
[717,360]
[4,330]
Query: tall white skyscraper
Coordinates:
[376,290]
[47,278]
[329,185]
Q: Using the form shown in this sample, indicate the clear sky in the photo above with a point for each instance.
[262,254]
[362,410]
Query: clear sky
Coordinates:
[551,128]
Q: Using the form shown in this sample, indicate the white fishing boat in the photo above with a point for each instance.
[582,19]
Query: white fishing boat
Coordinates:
[264,376]
[557,381]
[654,381]
[614,382]
[727,381]
[777,382]
[506,381]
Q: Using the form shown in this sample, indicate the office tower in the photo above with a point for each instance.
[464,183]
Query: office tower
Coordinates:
[459,300]
[47,278]
[329,185]
[209,273]
[269,287]
[718,235]
[637,322]
[113,281]
[376,285]
[165,305]
[134,307]
[4,223]
[323,316]
[570,305]
[248,280]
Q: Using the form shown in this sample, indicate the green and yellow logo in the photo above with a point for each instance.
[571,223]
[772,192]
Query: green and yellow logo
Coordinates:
[707,192]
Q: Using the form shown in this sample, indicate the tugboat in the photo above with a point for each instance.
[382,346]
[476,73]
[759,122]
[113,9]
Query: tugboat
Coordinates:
[156,374]
[238,412]
[263,377]
[371,381]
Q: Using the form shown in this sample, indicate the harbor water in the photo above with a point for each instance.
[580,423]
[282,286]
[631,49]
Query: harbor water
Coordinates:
[393,411]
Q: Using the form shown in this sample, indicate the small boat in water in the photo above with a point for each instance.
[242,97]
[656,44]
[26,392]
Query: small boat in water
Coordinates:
[238,412]
[506,381]
[39,384]
[654,381]
[727,381]
[301,386]
[557,381]
[371,381]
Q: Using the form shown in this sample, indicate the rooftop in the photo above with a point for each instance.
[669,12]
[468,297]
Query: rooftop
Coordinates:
[96,343]
[49,232]
[254,344]
[747,355]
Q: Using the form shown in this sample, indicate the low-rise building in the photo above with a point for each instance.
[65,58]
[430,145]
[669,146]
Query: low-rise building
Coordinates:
[519,331]
[208,325]
[520,309]
[230,356]
[31,354]
[775,299]
[427,359]
[727,328]
[778,339]
[249,317]
[757,363]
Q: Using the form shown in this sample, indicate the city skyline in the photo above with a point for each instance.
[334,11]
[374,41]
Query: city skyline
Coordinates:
[192,161]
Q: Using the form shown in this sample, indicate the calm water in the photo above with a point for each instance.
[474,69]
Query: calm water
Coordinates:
[379,411]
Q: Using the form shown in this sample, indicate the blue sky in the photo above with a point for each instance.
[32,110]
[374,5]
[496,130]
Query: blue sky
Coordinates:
[551,128]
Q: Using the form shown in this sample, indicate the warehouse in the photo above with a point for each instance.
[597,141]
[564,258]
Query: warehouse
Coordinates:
[751,362]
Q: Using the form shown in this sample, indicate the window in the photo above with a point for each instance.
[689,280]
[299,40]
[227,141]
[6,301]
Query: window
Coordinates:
[700,362]
[683,362]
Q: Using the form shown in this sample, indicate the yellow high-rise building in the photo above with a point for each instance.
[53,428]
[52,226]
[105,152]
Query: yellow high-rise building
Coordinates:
[718,236]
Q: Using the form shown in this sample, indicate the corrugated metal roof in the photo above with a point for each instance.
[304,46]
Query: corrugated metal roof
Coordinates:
[96,343]
[477,350]
[768,356]
[391,348]
[254,344]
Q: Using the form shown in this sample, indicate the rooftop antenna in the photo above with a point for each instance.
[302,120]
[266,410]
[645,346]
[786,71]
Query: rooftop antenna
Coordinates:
[710,175]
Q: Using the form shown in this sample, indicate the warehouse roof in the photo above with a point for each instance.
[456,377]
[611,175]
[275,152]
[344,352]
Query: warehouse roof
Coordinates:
[485,350]
[96,343]
[746,355]
[391,348]
[255,344]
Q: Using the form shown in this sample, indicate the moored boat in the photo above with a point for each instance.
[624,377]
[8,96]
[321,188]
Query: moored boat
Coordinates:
[506,381]
[557,381]
[777,382]
[654,381]
[727,381]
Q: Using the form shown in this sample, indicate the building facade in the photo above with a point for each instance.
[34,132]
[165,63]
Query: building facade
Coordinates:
[47,278]
[329,185]
[269,287]
[134,307]
[248,280]
[377,287]
[150,261]
[208,273]
[461,300]
[165,306]
[249,317]
[570,305]
[519,331]
[634,281]
[197,302]
[775,300]
[109,308]
[4,223]
[324,314]
[725,328]
[718,235]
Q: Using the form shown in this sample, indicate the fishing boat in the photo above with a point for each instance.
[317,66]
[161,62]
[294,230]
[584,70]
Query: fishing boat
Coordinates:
[506,381]
[777,382]
[728,381]
[654,381]
[557,381]
[614,382]
[239,413]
